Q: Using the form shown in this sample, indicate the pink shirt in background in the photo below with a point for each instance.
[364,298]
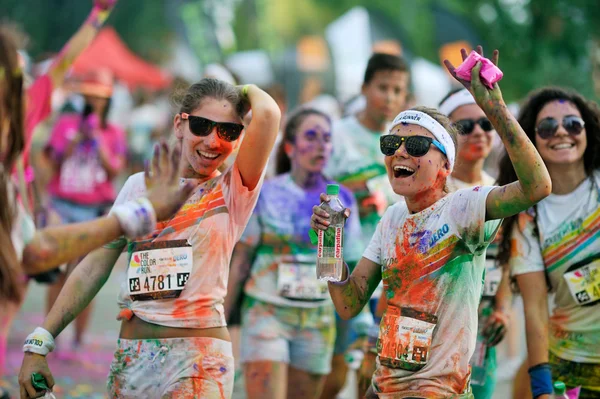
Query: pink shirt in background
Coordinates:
[81,177]
[39,96]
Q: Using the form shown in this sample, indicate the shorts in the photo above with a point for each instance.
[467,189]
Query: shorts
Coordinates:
[486,391]
[573,374]
[182,368]
[300,337]
[348,331]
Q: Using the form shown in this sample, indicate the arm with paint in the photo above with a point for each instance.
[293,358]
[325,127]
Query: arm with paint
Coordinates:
[80,40]
[354,291]
[498,322]
[239,269]
[260,135]
[79,290]
[53,246]
[534,182]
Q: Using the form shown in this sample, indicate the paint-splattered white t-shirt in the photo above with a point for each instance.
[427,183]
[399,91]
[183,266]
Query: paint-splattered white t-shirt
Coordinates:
[212,221]
[432,268]
[567,248]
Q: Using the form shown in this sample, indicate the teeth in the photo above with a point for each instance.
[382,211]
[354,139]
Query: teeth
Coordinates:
[561,146]
[208,155]
[398,168]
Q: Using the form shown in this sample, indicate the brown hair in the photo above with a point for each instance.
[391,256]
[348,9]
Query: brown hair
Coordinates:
[283,163]
[209,88]
[11,109]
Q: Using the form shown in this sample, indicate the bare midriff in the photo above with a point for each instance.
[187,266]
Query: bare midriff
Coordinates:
[137,328]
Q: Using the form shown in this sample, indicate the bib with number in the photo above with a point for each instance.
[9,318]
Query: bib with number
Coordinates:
[298,280]
[405,337]
[584,283]
[159,270]
[493,275]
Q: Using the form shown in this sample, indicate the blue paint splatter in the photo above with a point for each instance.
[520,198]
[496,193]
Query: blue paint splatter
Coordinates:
[222,369]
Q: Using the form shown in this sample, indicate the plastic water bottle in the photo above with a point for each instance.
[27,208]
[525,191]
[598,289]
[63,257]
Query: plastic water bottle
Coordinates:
[330,264]
[560,390]
[354,358]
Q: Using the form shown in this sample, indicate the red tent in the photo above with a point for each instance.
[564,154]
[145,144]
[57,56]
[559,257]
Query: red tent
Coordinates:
[108,51]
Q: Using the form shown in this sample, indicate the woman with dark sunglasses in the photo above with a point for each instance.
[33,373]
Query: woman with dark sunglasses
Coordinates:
[475,135]
[174,341]
[288,321]
[429,250]
[554,246]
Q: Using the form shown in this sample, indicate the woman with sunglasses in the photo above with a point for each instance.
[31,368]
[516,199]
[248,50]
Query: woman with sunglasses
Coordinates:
[173,340]
[288,321]
[554,246]
[475,135]
[429,250]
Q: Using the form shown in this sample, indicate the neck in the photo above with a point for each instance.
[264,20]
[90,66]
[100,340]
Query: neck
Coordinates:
[566,178]
[306,179]
[469,171]
[370,123]
[424,199]
[190,173]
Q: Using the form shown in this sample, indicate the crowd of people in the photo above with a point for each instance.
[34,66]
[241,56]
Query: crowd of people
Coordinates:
[215,229]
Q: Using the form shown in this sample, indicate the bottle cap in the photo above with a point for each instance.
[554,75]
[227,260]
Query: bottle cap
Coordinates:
[333,189]
[559,387]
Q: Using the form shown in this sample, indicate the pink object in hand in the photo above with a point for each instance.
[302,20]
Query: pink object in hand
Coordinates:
[573,393]
[489,73]
[105,4]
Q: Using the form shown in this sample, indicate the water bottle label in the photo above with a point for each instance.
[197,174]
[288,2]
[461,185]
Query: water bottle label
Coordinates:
[298,281]
[330,243]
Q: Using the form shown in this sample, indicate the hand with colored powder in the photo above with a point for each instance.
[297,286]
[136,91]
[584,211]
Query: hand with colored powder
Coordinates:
[496,327]
[34,364]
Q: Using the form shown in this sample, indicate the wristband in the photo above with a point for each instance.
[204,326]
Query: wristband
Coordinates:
[344,281]
[245,91]
[541,380]
[40,341]
[137,218]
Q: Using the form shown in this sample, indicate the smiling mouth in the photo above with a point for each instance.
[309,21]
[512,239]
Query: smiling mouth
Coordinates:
[403,171]
[562,146]
[208,155]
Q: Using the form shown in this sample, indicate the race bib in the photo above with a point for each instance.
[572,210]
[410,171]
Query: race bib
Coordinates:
[493,275]
[299,281]
[405,337]
[584,283]
[159,270]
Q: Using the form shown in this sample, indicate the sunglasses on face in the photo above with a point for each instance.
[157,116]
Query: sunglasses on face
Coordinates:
[466,126]
[202,127]
[549,126]
[416,146]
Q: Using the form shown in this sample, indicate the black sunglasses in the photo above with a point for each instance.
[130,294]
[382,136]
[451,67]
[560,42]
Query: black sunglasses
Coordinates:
[202,127]
[466,126]
[416,146]
[549,126]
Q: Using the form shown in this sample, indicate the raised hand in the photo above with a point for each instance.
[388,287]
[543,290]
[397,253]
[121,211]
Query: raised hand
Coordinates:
[483,95]
[105,4]
[320,219]
[163,183]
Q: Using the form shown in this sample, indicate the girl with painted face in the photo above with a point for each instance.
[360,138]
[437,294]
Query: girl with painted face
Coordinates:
[288,321]
[25,251]
[429,250]
[475,135]
[554,246]
[173,340]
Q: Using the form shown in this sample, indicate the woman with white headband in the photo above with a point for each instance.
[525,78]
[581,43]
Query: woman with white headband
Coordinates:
[429,250]
[475,136]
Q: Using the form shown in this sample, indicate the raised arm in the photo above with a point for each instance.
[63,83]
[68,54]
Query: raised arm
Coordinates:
[80,40]
[260,135]
[534,182]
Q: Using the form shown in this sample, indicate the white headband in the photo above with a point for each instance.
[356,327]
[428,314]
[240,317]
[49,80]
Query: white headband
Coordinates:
[456,100]
[439,132]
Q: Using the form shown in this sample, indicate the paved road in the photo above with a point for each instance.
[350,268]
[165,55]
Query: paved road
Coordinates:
[84,375]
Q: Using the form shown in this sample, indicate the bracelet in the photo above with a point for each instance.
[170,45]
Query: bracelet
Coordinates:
[541,379]
[344,281]
[245,91]
[137,218]
[40,341]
